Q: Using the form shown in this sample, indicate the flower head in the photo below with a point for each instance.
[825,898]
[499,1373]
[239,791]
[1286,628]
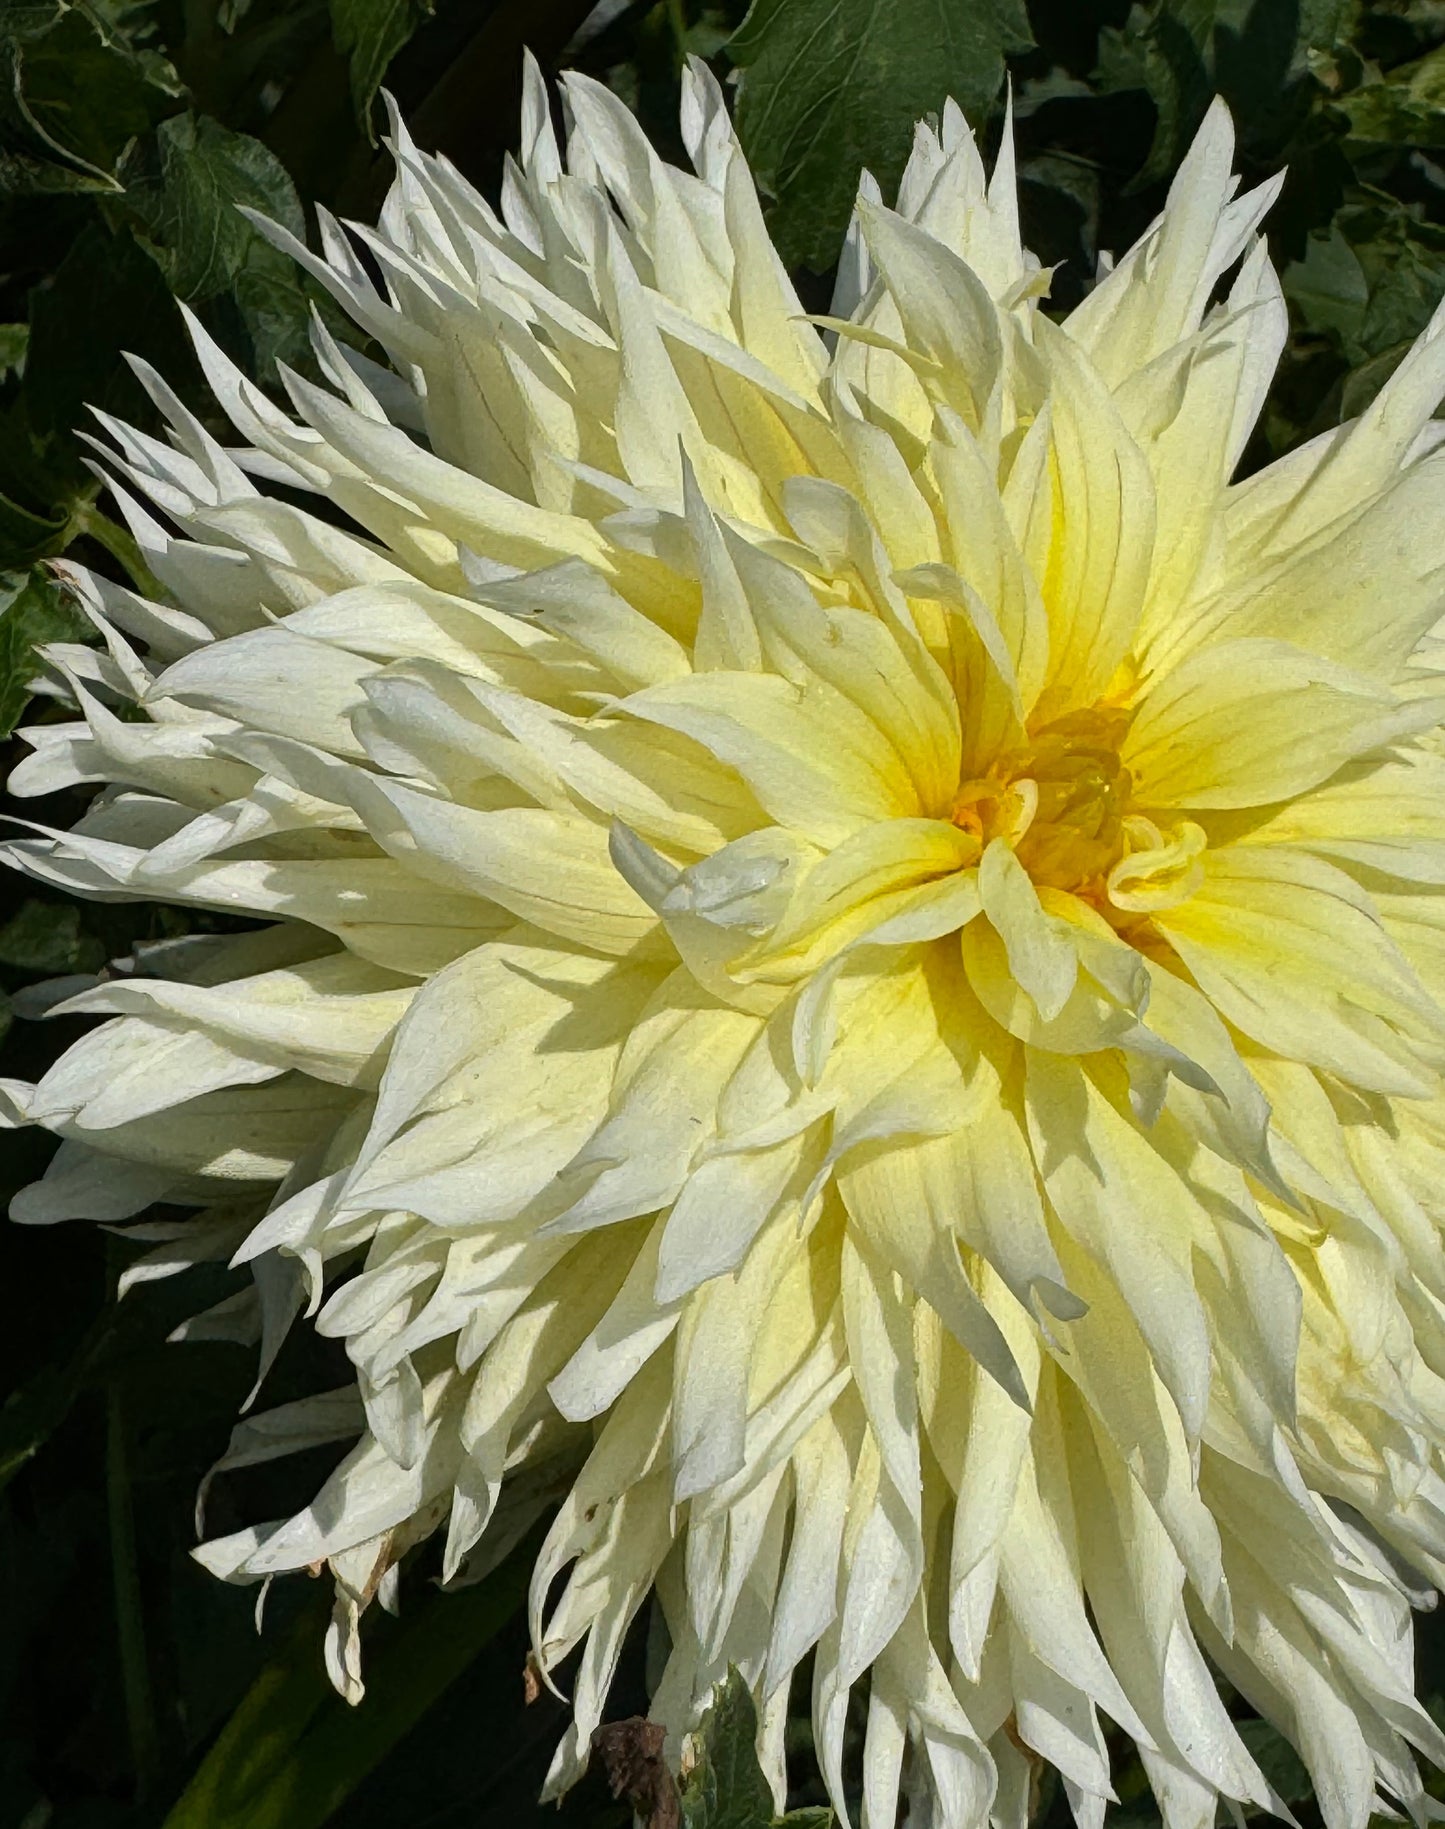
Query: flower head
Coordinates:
[848,976]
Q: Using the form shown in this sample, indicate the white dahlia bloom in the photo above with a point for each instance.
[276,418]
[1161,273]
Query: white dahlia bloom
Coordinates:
[848,969]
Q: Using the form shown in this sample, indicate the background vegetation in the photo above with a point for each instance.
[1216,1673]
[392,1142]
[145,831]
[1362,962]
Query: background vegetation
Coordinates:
[134,1691]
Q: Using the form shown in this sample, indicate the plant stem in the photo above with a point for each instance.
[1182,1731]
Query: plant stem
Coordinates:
[677,20]
[293,1752]
[140,1714]
[89,521]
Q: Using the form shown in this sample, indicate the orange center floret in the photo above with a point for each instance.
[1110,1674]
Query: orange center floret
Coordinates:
[1059,800]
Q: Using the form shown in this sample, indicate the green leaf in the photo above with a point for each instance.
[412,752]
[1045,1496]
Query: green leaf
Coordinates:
[106,296]
[832,86]
[1404,262]
[31,1414]
[1183,52]
[369,33]
[1362,384]
[13,338]
[1328,286]
[47,938]
[189,203]
[726,1788]
[26,535]
[1406,106]
[1373,279]
[33,609]
[30,1417]
[293,1752]
[274,307]
[79,85]
[1277,1759]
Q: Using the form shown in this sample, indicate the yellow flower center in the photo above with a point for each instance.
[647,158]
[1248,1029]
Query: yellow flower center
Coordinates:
[1060,801]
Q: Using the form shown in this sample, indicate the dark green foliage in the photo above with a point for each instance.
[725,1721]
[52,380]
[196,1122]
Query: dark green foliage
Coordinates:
[134,1692]
[49,940]
[69,366]
[726,1788]
[369,33]
[1263,56]
[1278,1760]
[81,83]
[1406,105]
[293,1752]
[188,205]
[1335,92]
[833,86]
[33,609]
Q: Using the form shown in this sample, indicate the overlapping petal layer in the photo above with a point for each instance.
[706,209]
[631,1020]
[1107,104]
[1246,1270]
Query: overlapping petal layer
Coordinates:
[850,968]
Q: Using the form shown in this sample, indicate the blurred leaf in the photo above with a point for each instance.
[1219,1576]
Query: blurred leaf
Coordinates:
[369,33]
[1183,52]
[1277,1759]
[1371,280]
[274,307]
[106,296]
[1362,384]
[13,338]
[30,1417]
[1328,287]
[189,203]
[79,86]
[1406,105]
[726,1788]
[707,35]
[1403,260]
[1060,199]
[832,86]
[1426,16]
[32,1414]
[293,1752]
[33,609]
[47,938]
[26,536]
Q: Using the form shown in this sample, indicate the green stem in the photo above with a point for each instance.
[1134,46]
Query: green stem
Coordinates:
[677,20]
[293,1752]
[88,520]
[140,1714]
[201,24]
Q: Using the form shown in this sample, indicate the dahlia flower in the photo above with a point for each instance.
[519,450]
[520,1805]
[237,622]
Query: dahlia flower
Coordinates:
[845,976]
